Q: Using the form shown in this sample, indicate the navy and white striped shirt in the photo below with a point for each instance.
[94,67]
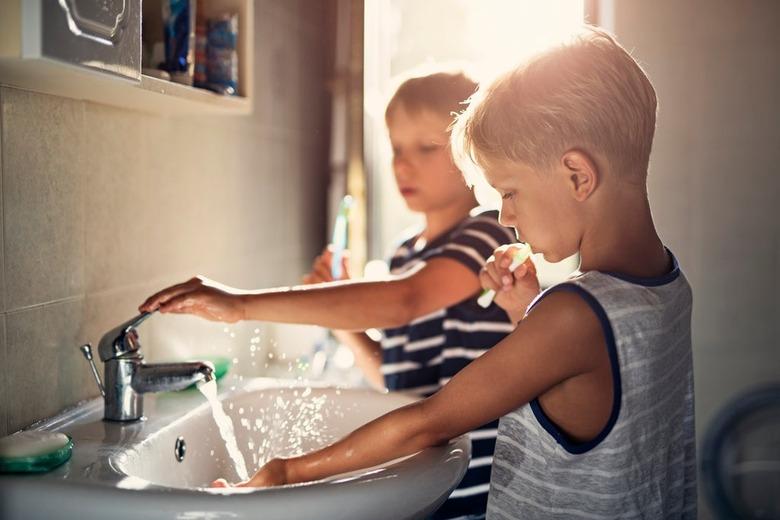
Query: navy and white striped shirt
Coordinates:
[422,356]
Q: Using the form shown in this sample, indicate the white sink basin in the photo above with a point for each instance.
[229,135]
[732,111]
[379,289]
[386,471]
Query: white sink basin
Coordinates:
[131,470]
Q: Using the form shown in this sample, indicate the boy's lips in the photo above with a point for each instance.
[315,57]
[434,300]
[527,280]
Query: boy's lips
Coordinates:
[407,191]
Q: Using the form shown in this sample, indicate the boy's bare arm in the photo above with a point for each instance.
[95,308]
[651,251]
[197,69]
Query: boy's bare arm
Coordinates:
[350,305]
[560,339]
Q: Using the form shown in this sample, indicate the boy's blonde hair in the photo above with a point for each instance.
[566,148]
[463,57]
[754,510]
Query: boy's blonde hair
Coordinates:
[588,94]
[442,91]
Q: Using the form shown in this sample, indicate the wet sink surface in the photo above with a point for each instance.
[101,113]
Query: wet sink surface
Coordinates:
[132,470]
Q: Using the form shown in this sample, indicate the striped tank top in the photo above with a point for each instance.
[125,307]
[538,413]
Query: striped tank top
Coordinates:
[643,463]
[422,356]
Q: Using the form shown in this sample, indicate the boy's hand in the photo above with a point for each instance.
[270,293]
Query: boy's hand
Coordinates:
[514,291]
[274,473]
[201,297]
[321,268]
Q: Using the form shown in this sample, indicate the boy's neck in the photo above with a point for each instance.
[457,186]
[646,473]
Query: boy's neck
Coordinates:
[442,220]
[623,239]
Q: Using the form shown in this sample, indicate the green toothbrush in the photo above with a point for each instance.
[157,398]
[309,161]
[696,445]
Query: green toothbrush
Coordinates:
[340,236]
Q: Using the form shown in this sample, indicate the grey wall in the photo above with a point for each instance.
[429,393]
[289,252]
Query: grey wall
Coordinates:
[714,181]
[101,206]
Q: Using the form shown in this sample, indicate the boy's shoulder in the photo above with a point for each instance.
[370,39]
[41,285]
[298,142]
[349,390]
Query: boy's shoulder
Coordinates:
[623,306]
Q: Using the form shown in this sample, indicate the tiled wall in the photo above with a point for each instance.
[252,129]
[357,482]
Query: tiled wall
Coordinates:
[101,206]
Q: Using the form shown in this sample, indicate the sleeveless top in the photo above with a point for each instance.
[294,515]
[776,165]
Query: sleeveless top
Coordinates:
[643,463]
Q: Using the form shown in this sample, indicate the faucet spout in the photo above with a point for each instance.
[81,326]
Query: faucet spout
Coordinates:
[127,378]
[167,377]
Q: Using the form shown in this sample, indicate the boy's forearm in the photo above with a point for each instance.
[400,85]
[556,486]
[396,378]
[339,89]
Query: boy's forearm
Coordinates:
[402,432]
[353,305]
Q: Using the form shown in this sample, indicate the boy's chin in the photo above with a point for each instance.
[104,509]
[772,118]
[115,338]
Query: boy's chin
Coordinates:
[417,206]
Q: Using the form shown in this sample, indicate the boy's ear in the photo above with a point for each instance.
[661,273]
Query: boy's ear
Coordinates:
[582,172]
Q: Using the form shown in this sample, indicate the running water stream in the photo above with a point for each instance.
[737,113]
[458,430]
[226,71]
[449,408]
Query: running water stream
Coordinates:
[225,425]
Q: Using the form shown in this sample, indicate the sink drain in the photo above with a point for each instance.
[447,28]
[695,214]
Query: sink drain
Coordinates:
[180,449]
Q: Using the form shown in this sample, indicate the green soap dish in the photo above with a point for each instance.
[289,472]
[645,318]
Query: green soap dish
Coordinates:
[37,463]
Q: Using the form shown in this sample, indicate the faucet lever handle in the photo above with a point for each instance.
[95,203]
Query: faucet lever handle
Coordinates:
[121,340]
[86,349]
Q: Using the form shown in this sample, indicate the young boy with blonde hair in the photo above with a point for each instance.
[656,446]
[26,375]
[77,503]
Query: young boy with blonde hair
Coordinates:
[594,387]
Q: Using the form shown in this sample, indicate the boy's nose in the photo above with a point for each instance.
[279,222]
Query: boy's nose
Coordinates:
[402,167]
[505,217]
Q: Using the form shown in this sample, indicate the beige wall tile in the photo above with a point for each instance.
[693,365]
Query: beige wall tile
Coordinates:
[45,370]
[2,253]
[118,225]
[42,197]
[4,380]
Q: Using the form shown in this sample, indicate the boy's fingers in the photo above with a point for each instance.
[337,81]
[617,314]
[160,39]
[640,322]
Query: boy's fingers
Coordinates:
[487,281]
[506,261]
[345,268]
[499,271]
[159,298]
[184,303]
[322,271]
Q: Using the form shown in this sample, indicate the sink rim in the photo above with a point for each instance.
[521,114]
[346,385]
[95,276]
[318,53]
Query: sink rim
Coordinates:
[420,464]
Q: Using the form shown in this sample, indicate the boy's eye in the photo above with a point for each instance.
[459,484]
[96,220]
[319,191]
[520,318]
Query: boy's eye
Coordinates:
[428,148]
[508,195]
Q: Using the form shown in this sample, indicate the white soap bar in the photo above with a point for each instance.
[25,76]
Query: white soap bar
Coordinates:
[31,444]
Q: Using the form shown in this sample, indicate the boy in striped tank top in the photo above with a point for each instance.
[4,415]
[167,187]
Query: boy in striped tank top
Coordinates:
[594,387]
[432,324]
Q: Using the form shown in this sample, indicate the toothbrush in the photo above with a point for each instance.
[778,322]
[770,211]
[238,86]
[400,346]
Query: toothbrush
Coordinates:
[322,352]
[520,256]
[340,236]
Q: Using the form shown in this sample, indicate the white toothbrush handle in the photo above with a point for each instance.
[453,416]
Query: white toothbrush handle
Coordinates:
[486,298]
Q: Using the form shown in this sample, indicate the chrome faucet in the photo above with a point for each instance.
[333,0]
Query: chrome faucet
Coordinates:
[127,377]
